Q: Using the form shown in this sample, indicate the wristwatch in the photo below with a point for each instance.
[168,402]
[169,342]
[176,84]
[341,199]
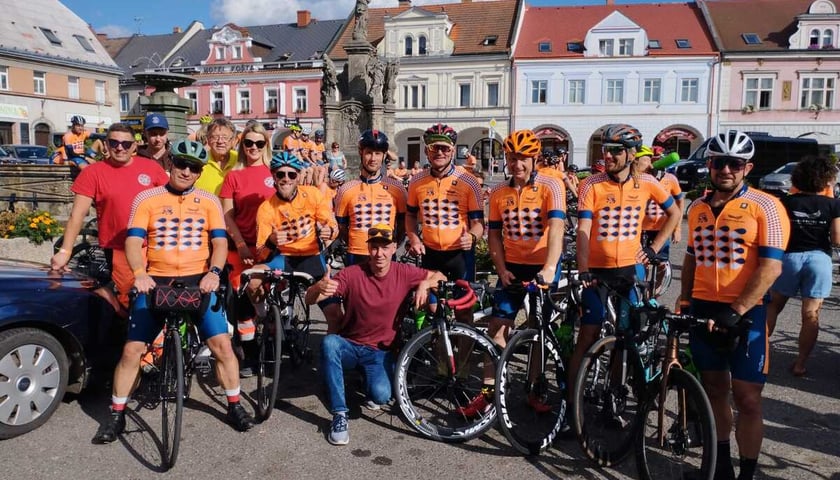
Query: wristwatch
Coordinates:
[216,271]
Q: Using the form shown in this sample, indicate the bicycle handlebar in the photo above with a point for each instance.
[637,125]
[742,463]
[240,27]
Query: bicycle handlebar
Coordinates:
[272,275]
[464,302]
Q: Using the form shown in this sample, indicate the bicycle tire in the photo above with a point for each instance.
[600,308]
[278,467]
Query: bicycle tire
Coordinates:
[270,342]
[660,287]
[530,432]
[426,394]
[89,259]
[688,452]
[297,334]
[606,414]
[171,397]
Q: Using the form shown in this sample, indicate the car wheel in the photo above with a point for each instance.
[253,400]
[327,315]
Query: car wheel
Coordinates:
[33,379]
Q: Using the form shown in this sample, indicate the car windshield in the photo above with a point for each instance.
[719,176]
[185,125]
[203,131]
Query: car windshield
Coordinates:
[786,168]
[30,152]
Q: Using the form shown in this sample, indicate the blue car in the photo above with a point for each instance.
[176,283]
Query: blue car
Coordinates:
[27,154]
[56,333]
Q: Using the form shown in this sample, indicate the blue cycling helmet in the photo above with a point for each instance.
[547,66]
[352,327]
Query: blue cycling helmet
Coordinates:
[375,140]
[189,150]
[285,159]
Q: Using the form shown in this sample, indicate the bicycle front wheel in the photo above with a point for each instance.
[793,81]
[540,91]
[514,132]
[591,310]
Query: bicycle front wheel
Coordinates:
[171,396]
[297,336]
[606,403]
[530,392]
[678,438]
[268,371]
[432,399]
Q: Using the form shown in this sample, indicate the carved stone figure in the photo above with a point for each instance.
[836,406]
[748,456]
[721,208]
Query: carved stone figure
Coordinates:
[351,116]
[391,71]
[376,72]
[329,82]
[360,29]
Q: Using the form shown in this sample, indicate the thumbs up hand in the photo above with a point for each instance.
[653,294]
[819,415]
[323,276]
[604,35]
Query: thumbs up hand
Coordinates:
[466,238]
[327,286]
[281,236]
[324,232]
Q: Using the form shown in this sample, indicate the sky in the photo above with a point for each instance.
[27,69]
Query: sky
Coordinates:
[153,17]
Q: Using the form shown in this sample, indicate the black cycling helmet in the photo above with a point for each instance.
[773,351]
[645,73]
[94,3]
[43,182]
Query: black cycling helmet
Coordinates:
[621,134]
[440,133]
[375,140]
[77,120]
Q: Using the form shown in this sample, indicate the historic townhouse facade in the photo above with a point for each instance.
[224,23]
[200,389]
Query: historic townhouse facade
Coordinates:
[579,68]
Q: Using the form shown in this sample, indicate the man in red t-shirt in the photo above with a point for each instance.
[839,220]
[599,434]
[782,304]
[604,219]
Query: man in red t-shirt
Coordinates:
[371,294]
[112,184]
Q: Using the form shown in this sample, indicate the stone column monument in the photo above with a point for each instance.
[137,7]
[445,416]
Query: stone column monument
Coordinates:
[165,101]
[362,96]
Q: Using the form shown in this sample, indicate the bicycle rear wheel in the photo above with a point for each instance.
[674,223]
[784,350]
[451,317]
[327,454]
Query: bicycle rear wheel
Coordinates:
[684,444]
[171,396]
[429,396]
[606,410]
[270,342]
[530,395]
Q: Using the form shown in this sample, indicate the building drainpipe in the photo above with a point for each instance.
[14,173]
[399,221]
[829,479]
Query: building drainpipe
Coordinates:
[716,64]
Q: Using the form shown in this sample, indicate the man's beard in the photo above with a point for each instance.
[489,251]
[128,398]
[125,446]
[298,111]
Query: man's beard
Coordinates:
[718,188]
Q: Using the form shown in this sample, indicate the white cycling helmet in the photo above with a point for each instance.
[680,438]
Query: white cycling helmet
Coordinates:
[732,143]
[339,175]
[306,131]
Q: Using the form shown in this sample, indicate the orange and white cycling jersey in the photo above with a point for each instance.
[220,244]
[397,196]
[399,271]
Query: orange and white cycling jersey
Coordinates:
[444,206]
[655,217]
[523,216]
[179,228]
[361,204]
[551,172]
[727,247]
[295,146]
[616,210]
[297,220]
[76,143]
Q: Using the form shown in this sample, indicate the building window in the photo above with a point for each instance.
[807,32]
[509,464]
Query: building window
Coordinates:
[815,39]
[688,90]
[539,90]
[544,47]
[51,36]
[414,96]
[244,101]
[683,43]
[73,88]
[464,90]
[817,93]
[193,98]
[125,103]
[300,100]
[758,92]
[4,78]
[218,102]
[40,82]
[99,89]
[652,90]
[84,43]
[409,46]
[493,94]
[577,92]
[654,45]
[220,53]
[606,47]
[625,47]
[828,39]
[270,100]
[421,45]
[615,91]
[237,52]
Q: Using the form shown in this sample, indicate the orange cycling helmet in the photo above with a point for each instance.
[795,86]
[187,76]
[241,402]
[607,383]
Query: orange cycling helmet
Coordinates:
[523,142]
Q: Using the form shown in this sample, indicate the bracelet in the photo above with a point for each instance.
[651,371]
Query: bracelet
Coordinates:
[62,250]
[138,271]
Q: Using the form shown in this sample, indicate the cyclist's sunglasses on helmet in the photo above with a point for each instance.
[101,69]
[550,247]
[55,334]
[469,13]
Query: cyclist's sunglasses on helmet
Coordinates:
[250,143]
[380,233]
[183,164]
[440,147]
[735,164]
[281,174]
[126,144]
[613,149]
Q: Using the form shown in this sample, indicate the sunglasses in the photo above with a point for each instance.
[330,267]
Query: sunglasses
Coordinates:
[613,150]
[182,164]
[440,148]
[281,174]
[250,143]
[126,144]
[734,164]
[384,234]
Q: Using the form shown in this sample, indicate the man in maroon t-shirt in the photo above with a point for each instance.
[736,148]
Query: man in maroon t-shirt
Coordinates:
[371,294]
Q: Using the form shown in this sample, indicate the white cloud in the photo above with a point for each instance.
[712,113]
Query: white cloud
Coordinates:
[115,31]
[265,12]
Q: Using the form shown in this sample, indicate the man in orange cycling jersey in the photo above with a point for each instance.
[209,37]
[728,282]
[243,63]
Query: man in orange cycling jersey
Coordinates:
[185,230]
[369,200]
[737,238]
[611,207]
[525,240]
[654,216]
[73,144]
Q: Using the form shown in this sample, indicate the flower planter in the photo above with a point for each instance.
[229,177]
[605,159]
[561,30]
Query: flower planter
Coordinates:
[23,249]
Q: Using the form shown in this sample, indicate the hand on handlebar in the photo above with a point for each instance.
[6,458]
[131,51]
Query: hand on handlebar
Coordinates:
[587,279]
[506,277]
[416,248]
[144,283]
[209,283]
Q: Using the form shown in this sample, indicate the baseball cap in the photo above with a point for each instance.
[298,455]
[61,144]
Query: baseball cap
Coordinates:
[381,231]
[155,120]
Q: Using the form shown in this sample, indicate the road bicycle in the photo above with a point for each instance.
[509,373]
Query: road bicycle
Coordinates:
[440,369]
[286,323]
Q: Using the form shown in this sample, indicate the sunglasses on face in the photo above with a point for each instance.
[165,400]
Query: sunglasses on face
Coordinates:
[281,174]
[734,164]
[182,164]
[613,150]
[250,143]
[126,144]
[440,148]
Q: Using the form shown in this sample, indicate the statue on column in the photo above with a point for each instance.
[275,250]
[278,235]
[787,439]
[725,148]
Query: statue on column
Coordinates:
[391,71]
[376,72]
[329,82]
[360,29]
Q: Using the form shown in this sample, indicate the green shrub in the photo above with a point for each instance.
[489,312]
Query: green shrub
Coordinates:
[37,226]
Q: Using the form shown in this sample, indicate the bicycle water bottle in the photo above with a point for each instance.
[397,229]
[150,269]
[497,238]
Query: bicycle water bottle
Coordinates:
[687,361]
[565,334]
[420,319]
[182,330]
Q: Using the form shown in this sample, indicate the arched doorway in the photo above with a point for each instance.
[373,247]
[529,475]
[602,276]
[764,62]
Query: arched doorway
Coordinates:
[595,147]
[678,138]
[552,138]
[42,134]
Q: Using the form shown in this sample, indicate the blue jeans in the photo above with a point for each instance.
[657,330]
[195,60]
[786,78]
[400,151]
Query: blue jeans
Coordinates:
[339,354]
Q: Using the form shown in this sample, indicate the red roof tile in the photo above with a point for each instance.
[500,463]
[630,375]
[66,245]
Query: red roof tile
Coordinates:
[665,22]
[472,22]
[774,21]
